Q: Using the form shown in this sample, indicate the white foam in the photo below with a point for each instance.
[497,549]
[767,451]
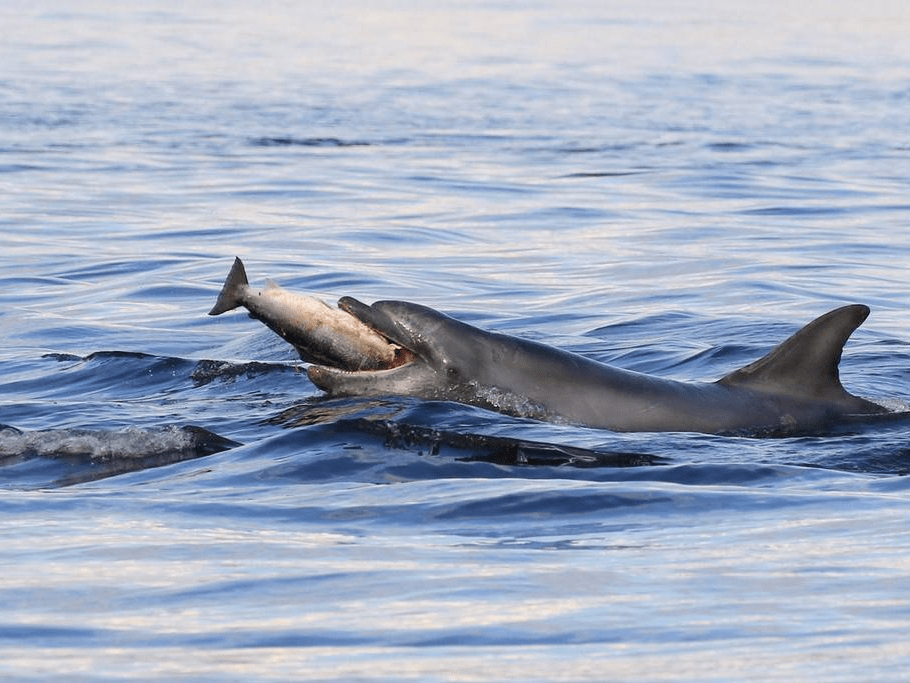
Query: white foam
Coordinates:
[130,442]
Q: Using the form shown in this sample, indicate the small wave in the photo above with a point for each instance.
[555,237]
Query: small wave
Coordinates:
[794,211]
[601,174]
[289,141]
[89,455]
[207,371]
[730,146]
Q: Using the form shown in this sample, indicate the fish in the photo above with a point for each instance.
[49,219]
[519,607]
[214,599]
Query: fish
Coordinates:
[320,333]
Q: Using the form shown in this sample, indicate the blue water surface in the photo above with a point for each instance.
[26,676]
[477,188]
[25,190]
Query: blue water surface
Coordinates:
[670,187]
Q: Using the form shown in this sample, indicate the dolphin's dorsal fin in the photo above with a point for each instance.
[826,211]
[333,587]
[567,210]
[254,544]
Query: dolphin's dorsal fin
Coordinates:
[806,364]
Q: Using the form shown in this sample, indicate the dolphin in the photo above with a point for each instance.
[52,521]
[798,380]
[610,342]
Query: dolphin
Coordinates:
[794,388]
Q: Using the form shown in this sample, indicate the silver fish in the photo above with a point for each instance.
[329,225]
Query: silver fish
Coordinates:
[320,333]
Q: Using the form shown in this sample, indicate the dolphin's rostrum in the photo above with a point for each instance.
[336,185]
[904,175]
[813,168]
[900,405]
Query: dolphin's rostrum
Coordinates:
[795,387]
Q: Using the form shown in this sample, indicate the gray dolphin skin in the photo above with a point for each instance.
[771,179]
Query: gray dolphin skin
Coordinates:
[794,388]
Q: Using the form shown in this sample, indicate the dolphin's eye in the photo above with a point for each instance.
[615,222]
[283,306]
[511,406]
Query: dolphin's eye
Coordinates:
[452,373]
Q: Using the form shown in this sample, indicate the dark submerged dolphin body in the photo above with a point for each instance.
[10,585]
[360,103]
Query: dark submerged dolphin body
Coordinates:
[794,388]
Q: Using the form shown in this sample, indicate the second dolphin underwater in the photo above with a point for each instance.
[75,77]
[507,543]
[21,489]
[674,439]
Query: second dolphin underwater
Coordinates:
[794,388]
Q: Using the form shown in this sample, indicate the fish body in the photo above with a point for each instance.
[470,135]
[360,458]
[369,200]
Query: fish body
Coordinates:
[321,334]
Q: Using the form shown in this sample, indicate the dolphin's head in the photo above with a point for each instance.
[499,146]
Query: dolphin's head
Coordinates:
[430,369]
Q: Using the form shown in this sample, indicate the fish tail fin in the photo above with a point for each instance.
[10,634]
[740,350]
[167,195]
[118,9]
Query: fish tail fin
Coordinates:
[231,295]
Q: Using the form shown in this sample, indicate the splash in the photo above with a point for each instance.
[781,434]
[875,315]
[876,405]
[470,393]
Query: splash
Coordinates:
[86,455]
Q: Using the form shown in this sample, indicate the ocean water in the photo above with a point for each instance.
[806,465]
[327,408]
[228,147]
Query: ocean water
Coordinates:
[670,187]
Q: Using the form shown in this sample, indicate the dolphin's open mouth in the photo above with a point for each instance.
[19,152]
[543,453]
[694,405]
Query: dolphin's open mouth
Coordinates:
[403,371]
[402,357]
[371,368]
[409,376]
